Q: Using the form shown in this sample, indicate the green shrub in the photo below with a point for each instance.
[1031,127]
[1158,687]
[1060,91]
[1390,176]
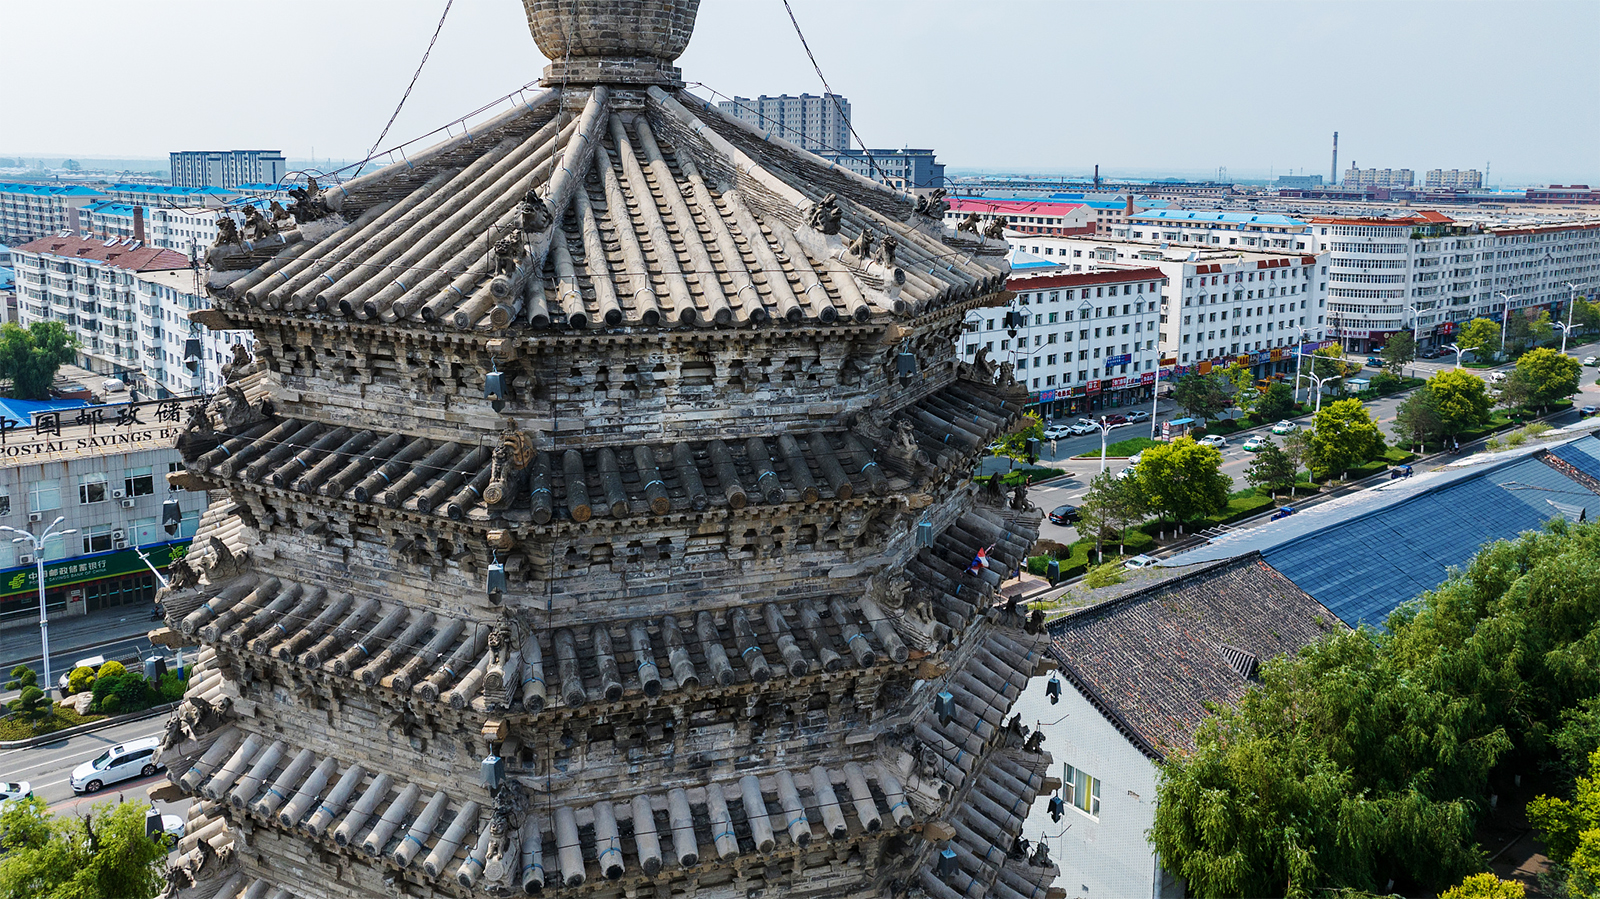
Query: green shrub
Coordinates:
[172,686]
[108,705]
[81,679]
[112,669]
[1104,575]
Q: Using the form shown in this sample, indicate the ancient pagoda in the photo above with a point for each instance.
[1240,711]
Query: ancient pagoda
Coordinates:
[597,518]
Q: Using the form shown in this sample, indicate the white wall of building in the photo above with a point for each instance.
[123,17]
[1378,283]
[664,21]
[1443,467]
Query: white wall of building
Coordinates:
[1105,855]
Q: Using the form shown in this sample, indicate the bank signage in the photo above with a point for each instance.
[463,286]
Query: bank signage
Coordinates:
[81,569]
[91,428]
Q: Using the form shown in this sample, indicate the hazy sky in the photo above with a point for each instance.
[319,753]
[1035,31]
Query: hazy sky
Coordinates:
[993,84]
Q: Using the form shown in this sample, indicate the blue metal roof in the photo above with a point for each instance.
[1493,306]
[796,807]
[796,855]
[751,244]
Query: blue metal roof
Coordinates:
[1199,216]
[110,207]
[1365,554]
[23,410]
[168,190]
[58,190]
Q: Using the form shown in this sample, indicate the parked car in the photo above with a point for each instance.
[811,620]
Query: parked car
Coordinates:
[1128,472]
[1284,512]
[123,761]
[1082,428]
[1116,419]
[1587,411]
[1429,354]
[173,829]
[1056,432]
[1136,458]
[1497,377]
[1285,427]
[1138,415]
[1138,562]
[1064,514]
[1216,440]
[1375,361]
[1254,444]
[1590,360]
[15,790]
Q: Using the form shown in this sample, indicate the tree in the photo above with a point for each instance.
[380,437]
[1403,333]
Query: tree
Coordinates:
[104,853]
[1343,436]
[1541,330]
[1400,350]
[1297,446]
[1585,315]
[1519,334]
[1549,376]
[1485,886]
[1184,479]
[1481,335]
[1329,362]
[1015,444]
[1110,507]
[1277,403]
[1417,420]
[1571,831]
[1245,395]
[1462,399]
[1201,396]
[29,357]
[1272,468]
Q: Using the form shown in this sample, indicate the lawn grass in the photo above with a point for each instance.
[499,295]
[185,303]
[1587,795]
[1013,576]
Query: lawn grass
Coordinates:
[60,719]
[1122,448]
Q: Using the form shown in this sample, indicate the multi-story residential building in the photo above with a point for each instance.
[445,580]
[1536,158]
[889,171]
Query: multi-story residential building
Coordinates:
[103,469]
[226,168]
[128,304]
[29,211]
[1298,182]
[1452,179]
[820,124]
[1079,341]
[1363,178]
[1221,306]
[1427,273]
[1026,216]
[1574,194]
[1202,227]
[907,169]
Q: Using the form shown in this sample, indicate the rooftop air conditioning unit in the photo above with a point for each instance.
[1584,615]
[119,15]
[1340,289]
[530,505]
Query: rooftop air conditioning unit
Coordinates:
[127,504]
[36,516]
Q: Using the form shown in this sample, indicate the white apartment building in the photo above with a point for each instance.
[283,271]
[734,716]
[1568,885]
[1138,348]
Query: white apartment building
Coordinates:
[1079,341]
[1208,228]
[1429,273]
[226,168]
[1452,179]
[128,305]
[1220,306]
[819,124]
[1361,179]
[28,210]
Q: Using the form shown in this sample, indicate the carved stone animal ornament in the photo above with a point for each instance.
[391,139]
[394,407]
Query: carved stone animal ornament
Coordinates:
[235,367]
[280,216]
[886,251]
[1034,743]
[508,252]
[1019,497]
[198,437]
[235,411]
[933,204]
[256,225]
[971,223]
[996,229]
[1041,855]
[981,370]
[861,247]
[308,205]
[826,215]
[227,232]
[502,863]
[535,214]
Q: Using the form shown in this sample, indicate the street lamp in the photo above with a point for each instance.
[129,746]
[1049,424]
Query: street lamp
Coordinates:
[1505,317]
[1319,382]
[1105,428]
[1299,351]
[1457,350]
[38,562]
[1572,300]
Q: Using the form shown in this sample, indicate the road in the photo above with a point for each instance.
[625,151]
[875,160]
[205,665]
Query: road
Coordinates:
[48,767]
[1234,459]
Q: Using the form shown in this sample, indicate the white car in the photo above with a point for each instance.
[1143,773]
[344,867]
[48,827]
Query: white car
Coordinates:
[1138,415]
[1136,458]
[1285,427]
[135,758]
[1497,377]
[1216,440]
[1082,428]
[174,829]
[1255,444]
[1590,360]
[15,790]
[1138,562]
[1126,473]
[1056,432]
[92,662]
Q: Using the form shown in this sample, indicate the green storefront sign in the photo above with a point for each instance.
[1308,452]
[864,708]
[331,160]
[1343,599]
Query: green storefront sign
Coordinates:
[63,572]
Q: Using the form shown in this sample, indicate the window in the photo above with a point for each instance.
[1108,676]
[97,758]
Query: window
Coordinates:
[5,501]
[44,496]
[140,482]
[92,488]
[96,538]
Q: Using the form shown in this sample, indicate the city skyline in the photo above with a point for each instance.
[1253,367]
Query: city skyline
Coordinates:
[1057,79]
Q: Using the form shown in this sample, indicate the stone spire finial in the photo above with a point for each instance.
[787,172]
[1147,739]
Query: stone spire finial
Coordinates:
[611,41]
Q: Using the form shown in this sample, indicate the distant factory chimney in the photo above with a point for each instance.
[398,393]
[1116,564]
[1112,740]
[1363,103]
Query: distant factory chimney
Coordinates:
[1333,177]
[1097,176]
